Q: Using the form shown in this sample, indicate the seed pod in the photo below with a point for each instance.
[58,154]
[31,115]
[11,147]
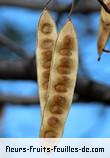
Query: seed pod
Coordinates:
[46,39]
[61,83]
[104,30]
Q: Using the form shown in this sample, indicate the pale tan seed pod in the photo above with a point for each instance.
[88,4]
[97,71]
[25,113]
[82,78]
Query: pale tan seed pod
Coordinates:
[104,29]
[46,39]
[61,84]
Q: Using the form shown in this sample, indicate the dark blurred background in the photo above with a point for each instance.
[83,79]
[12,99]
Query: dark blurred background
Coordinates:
[19,104]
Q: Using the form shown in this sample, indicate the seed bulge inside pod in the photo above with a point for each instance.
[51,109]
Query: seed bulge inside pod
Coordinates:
[47,64]
[45,85]
[47,44]
[59,100]
[67,41]
[63,70]
[53,122]
[64,80]
[47,55]
[50,134]
[46,28]
[60,88]
[46,74]
[65,52]
[56,109]
[106,25]
[66,62]
[58,104]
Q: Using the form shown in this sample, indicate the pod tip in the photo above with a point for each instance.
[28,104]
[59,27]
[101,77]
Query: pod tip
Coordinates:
[99,58]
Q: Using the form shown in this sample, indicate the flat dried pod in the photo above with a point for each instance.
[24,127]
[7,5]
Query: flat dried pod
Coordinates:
[104,29]
[46,39]
[61,83]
